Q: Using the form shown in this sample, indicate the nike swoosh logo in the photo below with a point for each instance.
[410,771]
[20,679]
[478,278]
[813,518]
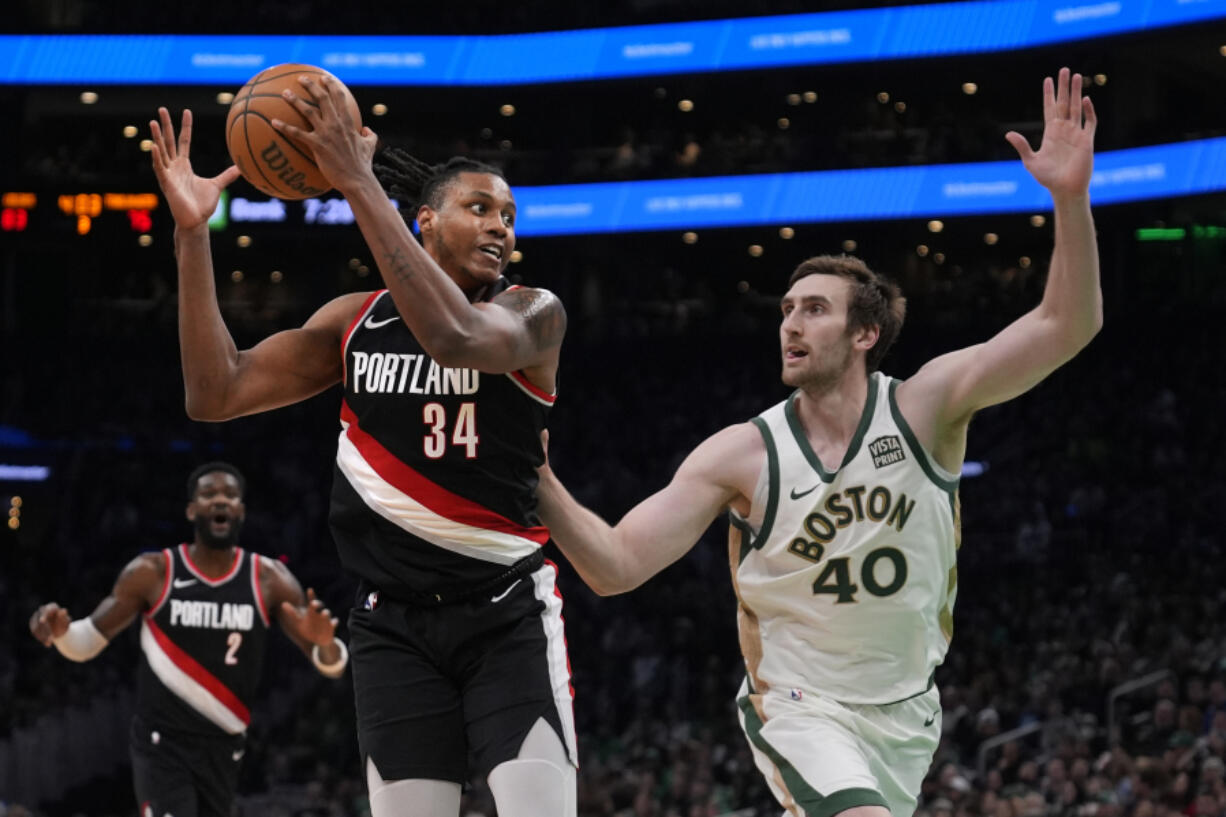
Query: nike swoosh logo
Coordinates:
[371,323]
[504,593]
[798,495]
[184,583]
[932,718]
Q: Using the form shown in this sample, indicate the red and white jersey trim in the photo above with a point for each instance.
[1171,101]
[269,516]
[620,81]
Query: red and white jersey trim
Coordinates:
[255,589]
[367,305]
[170,571]
[199,574]
[532,390]
[194,684]
[425,509]
[545,581]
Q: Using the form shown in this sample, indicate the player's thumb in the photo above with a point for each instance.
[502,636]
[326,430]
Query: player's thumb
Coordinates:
[290,609]
[1019,144]
[227,177]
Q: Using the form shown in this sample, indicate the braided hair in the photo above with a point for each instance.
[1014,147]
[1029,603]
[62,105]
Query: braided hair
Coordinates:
[413,183]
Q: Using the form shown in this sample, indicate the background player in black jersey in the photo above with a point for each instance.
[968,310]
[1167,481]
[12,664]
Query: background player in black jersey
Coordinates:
[459,661]
[206,609]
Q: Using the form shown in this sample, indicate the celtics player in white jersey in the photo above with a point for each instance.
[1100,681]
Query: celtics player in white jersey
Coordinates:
[844,510]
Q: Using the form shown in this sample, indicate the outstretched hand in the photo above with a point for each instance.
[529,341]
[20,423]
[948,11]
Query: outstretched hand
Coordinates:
[1064,161]
[191,198]
[342,151]
[49,622]
[314,622]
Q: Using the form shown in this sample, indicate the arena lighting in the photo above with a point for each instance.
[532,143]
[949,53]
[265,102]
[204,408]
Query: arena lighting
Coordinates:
[750,43]
[1161,234]
[378,109]
[24,473]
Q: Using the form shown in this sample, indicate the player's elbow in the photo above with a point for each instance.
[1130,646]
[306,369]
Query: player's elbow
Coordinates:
[206,410]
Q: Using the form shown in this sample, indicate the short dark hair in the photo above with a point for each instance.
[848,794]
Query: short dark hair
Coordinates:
[875,299]
[193,479]
[413,183]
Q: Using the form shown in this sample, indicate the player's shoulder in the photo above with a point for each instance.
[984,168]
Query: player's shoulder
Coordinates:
[731,447]
[145,570]
[540,309]
[341,311]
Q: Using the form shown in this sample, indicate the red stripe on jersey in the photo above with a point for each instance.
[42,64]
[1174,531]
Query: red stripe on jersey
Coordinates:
[435,497]
[354,325]
[255,586]
[170,566]
[199,674]
[204,577]
[537,390]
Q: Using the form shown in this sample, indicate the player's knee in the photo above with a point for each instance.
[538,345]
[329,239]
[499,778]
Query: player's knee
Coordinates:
[533,788]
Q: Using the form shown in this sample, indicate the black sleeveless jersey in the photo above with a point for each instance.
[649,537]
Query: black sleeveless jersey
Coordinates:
[203,646]
[435,483]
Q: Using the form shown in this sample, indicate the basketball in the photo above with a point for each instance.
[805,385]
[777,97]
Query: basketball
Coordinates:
[273,162]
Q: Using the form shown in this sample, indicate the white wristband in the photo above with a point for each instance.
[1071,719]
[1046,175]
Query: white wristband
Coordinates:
[81,642]
[331,670]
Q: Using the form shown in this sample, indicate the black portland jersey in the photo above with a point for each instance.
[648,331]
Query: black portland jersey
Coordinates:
[203,646]
[435,483]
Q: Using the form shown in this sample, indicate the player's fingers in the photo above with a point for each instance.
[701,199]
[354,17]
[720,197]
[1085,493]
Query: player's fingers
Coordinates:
[1049,99]
[1074,99]
[168,133]
[321,91]
[227,177]
[291,609]
[335,622]
[309,112]
[291,130]
[1020,145]
[185,133]
[1062,94]
[1091,116]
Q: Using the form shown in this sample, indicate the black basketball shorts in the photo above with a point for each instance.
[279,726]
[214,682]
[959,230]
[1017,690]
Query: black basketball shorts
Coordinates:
[182,774]
[450,691]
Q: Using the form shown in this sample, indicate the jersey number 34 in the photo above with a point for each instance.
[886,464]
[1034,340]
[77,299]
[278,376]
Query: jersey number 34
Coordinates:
[463,432]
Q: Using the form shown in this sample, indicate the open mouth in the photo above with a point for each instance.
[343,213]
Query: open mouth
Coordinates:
[794,353]
[492,250]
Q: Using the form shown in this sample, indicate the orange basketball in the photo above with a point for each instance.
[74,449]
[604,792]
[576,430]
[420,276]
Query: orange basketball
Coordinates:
[274,163]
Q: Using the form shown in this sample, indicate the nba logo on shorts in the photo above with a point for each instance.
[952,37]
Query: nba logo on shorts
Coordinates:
[372,601]
[796,694]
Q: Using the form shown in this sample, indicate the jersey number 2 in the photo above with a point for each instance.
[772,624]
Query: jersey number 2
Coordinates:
[464,433]
[233,642]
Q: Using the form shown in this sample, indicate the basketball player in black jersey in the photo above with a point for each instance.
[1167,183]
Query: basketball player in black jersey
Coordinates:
[205,610]
[459,660]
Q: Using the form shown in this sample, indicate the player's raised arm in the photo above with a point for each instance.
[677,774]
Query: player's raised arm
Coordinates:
[662,528]
[140,581]
[952,387]
[470,224]
[221,381]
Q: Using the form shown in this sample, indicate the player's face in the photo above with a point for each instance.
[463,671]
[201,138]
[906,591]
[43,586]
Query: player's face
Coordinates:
[217,510]
[473,234]
[816,345]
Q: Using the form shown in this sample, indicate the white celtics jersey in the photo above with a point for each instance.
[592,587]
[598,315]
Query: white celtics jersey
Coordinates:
[846,580]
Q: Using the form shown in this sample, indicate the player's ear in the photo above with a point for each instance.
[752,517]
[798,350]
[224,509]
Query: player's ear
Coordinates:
[190,512]
[425,218]
[866,337]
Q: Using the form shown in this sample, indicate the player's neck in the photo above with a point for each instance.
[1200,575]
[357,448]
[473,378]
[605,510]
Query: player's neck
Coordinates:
[830,414]
[213,562]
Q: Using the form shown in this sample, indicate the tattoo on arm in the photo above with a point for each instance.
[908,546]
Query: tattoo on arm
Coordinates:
[398,264]
[542,313]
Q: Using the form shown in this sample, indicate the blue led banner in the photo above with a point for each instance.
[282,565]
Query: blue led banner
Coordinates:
[564,56]
[1161,171]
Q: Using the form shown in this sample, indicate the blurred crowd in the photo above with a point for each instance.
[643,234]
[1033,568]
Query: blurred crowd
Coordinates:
[1091,556]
